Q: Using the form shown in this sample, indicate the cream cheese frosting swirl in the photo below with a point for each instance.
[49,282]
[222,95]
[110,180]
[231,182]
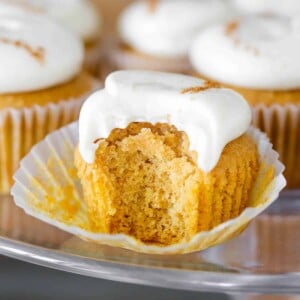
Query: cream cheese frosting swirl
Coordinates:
[285,7]
[79,15]
[260,52]
[36,53]
[168,29]
[211,117]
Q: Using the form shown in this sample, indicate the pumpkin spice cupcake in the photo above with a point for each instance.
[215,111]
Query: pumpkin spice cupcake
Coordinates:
[42,85]
[258,57]
[78,15]
[166,163]
[155,35]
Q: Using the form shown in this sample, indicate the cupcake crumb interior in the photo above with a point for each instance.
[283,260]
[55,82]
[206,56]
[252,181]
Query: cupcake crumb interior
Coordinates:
[145,182]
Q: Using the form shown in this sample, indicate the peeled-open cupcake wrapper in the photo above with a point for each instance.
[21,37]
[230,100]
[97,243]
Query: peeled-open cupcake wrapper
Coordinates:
[47,187]
[21,128]
[281,122]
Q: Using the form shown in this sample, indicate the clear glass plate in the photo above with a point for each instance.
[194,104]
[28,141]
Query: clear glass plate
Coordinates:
[264,259]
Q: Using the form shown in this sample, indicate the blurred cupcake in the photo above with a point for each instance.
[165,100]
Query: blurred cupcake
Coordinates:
[156,35]
[42,85]
[286,8]
[258,56]
[78,15]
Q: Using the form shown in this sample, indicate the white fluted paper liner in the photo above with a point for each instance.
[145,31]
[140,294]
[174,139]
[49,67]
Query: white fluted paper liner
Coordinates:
[281,122]
[48,188]
[21,128]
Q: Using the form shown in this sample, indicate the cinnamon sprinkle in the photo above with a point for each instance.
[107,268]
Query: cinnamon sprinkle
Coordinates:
[231,27]
[38,54]
[152,5]
[196,89]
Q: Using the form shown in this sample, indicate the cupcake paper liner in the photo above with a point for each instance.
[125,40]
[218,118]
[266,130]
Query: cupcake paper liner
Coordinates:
[21,128]
[282,124]
[47,187]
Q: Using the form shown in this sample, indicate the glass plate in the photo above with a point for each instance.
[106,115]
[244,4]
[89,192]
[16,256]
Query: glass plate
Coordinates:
[264,259]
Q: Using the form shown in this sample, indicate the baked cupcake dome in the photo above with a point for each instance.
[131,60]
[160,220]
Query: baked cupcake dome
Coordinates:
[259,59]
[80,16]
[158,182]
[41,85]
[156,34]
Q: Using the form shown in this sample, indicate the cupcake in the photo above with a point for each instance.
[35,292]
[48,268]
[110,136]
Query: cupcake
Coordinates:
[286,8]
[156,161]
[164,163]
[42,85]
[258,57]
[78,15]
[156,35]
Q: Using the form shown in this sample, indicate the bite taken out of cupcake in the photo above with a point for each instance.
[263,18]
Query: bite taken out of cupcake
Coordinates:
[80,16]
[258,56]
[156,35]
[42,85]
[166,163]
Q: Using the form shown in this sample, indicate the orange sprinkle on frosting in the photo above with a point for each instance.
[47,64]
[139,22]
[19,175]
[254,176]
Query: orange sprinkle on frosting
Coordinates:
[196,89]
[38,53]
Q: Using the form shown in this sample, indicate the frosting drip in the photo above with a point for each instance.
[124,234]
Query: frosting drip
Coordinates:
[36,53]
[167,27]
[211,117]
[79,15]
[258,52]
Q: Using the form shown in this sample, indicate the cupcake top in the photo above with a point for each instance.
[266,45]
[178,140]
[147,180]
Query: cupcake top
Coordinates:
[211,116]
[36,53]
[259,52]
[78,15]
[286,7]
[167,27]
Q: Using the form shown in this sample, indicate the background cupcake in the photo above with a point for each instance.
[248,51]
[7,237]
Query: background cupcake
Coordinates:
[258,56]
[42,85]
[78,15]
[156,35]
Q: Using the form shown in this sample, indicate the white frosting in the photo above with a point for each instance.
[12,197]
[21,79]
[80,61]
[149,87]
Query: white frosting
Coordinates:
[79,15]
[281,7]
[261,53]
[36,53]
[211,118]
[170,28]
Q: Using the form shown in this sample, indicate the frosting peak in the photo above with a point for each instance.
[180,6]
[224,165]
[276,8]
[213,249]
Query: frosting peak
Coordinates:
[258,52]
[36,53]
[78,15]
[211,117]
[168,27]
